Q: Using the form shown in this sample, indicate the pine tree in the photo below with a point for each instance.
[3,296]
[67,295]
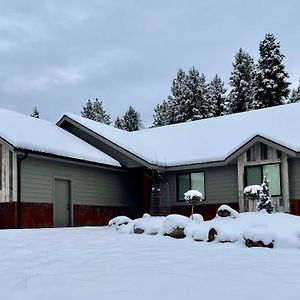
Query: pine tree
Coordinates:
[178,98]
[95,111]
[88,110]
[196,105]
[100,114]
[241,81]
[271,80]
[119,123]
[295,95]
[162,114]
[132,120]
[35,113]
[264,201]
[216,97]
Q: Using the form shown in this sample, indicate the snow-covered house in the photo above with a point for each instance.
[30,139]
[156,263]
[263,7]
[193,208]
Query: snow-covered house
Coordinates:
[50,177]
[149,170]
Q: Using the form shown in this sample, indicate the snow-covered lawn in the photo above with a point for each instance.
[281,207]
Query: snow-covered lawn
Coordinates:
[98,263]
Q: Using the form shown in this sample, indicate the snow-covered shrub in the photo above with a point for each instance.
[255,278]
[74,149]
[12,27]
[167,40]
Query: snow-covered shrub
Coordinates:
[252,191]
[264,201]
[193,197]
[226,211]
[118,221]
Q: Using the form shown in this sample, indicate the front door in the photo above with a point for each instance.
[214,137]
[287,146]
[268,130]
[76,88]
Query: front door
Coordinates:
[62,203]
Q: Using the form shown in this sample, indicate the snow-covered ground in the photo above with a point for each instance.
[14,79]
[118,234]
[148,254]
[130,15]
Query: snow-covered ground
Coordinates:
[101,263]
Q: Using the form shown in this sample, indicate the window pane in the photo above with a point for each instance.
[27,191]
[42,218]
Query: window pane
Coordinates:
[197,182]
[183,185]
[273,174]
[253,175]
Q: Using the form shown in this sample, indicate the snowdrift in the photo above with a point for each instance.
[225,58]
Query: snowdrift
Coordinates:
[251,229]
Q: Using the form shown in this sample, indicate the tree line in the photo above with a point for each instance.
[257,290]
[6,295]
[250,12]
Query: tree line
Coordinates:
[252,85]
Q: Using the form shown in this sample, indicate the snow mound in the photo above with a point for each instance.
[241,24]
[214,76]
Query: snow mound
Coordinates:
[172,222]
[197,218]
[119,221]
[260,233]
[149,225]
[226,211]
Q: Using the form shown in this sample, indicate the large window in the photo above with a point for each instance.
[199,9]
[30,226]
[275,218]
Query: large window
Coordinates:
[191,181]
[254,175]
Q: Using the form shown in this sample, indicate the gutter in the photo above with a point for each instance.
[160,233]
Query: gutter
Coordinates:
[19,208]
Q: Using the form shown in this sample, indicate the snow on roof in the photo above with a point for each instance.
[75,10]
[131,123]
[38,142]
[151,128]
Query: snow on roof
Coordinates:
[207,140]
[29,133]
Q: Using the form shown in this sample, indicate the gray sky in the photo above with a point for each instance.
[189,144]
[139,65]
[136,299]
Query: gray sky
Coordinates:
[58,54]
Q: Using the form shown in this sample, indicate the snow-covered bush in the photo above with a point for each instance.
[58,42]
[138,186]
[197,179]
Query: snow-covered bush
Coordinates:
[264,201]
[252,191]
[118,221]
[174,225]
[149,225]
[193,197]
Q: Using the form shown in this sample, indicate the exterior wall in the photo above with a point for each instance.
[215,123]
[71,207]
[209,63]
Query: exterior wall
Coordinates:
[90,186]
[96,194]
[220,188]
[283,202]
[5,191]
[294,175]
[220,185]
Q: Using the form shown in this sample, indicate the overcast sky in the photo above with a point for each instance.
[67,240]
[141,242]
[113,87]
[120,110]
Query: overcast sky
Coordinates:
[58,54]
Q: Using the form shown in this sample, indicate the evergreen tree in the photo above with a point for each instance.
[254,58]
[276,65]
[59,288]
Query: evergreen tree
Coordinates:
[271,80]
[95,111]
[119,123]
[88,110]
[241,81]
[178,98]
[295,95]
[264,201]
[132,120]
[162,114]
[196,105]
[216,97]
[100,114]
[35,113]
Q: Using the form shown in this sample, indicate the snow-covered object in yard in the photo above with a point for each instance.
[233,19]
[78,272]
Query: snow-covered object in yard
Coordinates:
[118,221]
[220,136]
[197,218]
[146,215]
[226,211]
[172,222]
[196,231]
[28,133]
[260,233]
[149,225]
[252,190]
[192,194]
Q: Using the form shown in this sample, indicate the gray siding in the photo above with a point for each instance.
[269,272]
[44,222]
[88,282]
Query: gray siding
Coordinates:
[221,185]
[294,178]
[92,186]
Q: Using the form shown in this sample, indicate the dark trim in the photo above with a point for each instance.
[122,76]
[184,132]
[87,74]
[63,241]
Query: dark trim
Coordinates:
[262,174]
[190,179]
[19,207]
[68,159]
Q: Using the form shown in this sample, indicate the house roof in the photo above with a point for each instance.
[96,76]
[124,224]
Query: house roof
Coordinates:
[204,141]
[28,133]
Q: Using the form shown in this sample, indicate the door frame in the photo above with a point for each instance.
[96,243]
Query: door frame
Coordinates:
[71,197]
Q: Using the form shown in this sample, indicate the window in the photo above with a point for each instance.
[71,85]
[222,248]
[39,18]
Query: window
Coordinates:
[254,175]
[191,181]
[263,151]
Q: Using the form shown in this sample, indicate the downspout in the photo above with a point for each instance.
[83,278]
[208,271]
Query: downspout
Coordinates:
[19,209]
